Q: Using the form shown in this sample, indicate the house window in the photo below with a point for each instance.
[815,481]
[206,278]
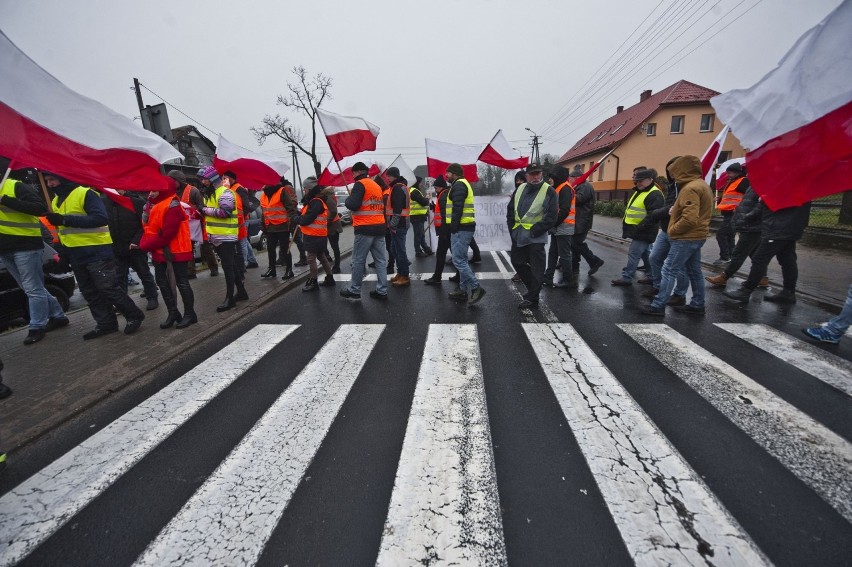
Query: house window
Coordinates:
[707,122]
[677,125]
[651,129]
[600,172]
[723,157]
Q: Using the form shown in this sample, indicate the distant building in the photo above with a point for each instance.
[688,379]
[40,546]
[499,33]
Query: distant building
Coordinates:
[676,121]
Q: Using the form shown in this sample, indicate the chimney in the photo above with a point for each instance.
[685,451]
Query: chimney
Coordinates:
[618,109]
[644,96]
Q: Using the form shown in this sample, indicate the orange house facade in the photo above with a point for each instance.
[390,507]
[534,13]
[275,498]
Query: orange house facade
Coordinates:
[675,121]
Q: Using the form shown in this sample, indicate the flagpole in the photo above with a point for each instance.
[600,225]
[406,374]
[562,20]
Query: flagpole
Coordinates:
[44,191]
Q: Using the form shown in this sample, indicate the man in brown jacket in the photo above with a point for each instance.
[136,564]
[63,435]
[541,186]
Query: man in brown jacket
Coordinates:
[688,230]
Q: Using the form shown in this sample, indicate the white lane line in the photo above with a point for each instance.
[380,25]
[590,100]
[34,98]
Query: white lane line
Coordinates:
[499,263]
[529,314]
[417,276]
[824,366]
[230,518]
[445,509]
[42,504]
[818,456]
[664,511]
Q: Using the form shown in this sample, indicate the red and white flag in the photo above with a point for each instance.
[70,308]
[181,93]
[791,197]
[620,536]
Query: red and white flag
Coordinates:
[708,160]
[334,176]
[592,169]
[500,153]
[404,170]
[722,172]
[45,124]
[796,120]
[441,154]
[347,135]
[253,170]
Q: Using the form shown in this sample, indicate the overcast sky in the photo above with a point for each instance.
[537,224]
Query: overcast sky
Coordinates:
[455,71]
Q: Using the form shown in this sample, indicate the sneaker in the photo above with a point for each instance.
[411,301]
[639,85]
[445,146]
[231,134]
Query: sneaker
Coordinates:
[596,266]
[676,300]
[132,326]
[289,275]
[690,309]
[97,332]
[34,336]
[822,335]
[349,294]
[376,295]
[56,323]
[456,278]
[475,295]
[651,310]
[721,261]
[457,294]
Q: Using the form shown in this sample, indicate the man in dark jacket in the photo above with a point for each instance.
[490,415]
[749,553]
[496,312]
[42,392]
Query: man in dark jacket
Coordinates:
[442,229]
[460,214]
[779,232]
[419,215]
[531,212]
[727,203]
[125,228]
[397,210]
[647,197]
[584,206]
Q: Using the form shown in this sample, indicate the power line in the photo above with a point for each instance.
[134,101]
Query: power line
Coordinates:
[178,109]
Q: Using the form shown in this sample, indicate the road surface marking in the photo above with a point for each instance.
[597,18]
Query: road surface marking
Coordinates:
[824,366]
[499,263]
[445,508]
[415,276]
[232,515]
[664,511]
[42,504]
[819,457]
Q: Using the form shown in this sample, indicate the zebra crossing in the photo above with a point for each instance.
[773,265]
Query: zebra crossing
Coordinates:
[445,503]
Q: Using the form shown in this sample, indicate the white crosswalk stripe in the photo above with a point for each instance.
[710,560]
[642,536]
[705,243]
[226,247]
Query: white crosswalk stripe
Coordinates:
[819,457]
[665,513]
[229,519]
[444,509]
[824,366]
[414,276]
[42,504]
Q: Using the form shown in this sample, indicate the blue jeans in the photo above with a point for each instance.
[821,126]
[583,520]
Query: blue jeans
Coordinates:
[658,255]
[638,248]
[248,253]
[684,255]
[843,320]
[459,245]
[375,245]
[399,252]
[26,267]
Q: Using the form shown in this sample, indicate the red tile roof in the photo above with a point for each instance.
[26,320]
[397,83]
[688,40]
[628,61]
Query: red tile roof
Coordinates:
[614,129]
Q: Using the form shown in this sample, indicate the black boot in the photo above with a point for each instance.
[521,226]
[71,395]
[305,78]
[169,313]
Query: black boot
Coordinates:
[311,285]
[229,303]
[270,273]
[301,263]
[328,281]
[174,317]
[783,296]
[288,275]
[742,294]
[188,319]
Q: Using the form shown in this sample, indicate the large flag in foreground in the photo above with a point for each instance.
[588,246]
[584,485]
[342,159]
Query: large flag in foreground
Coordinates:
[347,135]
[708,160]
[500,153]
[441,154]
[254,170]
[796,120]
[45,124]
[334,176]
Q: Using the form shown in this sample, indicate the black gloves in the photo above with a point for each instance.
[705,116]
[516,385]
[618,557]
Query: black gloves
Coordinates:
[55,219]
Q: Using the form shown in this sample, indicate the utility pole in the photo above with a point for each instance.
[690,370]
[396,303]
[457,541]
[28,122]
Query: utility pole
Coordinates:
[535,157]
[138,97]
[296,173]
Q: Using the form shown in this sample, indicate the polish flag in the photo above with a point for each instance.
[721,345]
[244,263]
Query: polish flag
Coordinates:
[441,154]
[347,135]
[404,170]
[119,199]
[796,120]
[722,173]
[708,160]
[499,153]
[254,170]
[592,169]
[45,124]
[334,176]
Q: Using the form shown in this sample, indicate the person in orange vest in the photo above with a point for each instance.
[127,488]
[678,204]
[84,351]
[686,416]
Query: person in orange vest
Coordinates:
[166,237]
[278,211]
[314,222]
[728,202]
[368,220]
[191,195]
[563,233]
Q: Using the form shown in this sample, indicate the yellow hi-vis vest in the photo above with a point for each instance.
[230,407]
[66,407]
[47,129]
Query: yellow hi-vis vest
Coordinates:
[536,211]
[635,211]
[468,212]
[71,236]
[221,227]
[16,223]
[415,208]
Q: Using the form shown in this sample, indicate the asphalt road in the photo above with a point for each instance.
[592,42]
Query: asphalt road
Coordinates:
[323,431]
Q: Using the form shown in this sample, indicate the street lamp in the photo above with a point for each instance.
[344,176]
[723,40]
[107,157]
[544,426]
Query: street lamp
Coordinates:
[535,157]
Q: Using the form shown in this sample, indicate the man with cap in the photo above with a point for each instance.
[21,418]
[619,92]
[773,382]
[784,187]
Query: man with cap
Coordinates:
[461,216]
[727,203]
[246,204]
[368,220]
[419,215]
[397,210]
[22,252]
[190,195]
[531,212]
[635,224]
[584,209]
[82,222]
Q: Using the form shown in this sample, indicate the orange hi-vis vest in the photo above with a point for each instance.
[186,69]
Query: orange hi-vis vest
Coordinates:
[54,233]
[572,216]
[273,209]
[185,195]
[241,217]
[731,199]
[371,210]
[389,207]
[439,216]
[319,226]
[182,243]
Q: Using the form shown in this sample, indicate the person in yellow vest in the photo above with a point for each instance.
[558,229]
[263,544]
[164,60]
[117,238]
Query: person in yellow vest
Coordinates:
[562,234]
[646,197]
[419,215]
[368,220]
[166,237]
[81,218]
[461,216]
[22,252]
[314,222]
[531,212]
[735,188]
[278,211]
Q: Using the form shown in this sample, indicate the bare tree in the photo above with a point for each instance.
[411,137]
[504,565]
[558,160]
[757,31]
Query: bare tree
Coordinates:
[491,179]
[305,95]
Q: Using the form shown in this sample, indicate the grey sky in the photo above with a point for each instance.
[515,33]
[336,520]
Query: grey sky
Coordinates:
[453,71]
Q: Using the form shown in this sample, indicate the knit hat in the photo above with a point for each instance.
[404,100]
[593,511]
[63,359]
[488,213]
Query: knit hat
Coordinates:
[455,169]
[285,182]
[209,173]
[178,176]
[559,174]
[360,166]
[576,172]
[230,174]
[309,183]
[392,172]
[645,174]
[736,168]
[440,181]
